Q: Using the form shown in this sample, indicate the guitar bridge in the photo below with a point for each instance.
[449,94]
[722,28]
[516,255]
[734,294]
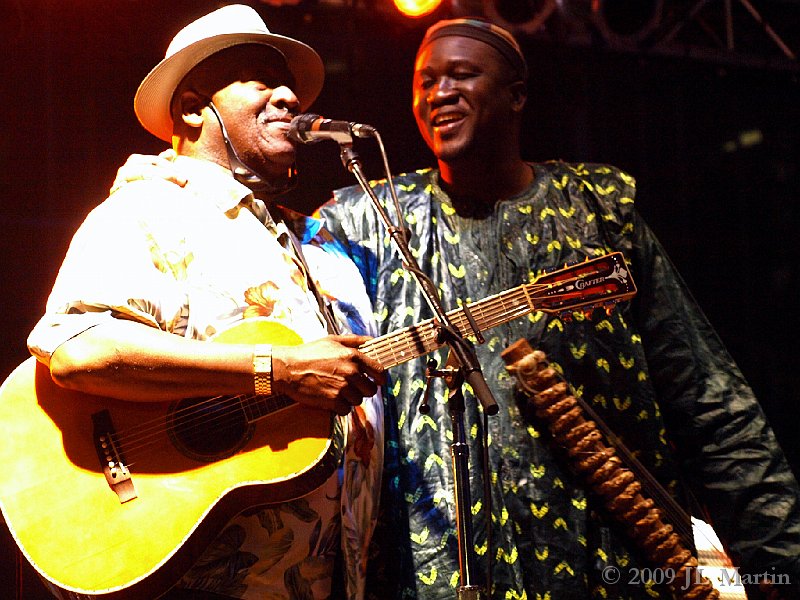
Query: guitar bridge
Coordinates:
[111,460]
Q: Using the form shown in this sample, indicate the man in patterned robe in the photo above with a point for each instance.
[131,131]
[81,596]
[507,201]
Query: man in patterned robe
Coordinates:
[485,221]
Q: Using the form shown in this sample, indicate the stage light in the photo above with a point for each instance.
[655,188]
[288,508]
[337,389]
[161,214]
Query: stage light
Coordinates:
[625,23]
[417,8]
[520,17]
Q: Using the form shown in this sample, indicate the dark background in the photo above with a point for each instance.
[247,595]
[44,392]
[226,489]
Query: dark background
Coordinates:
[708,128]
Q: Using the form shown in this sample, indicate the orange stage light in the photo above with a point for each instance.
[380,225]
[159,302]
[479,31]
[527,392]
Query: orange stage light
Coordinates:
[417,8]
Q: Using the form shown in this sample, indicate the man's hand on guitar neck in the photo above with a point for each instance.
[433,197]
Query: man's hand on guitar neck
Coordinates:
[329,373]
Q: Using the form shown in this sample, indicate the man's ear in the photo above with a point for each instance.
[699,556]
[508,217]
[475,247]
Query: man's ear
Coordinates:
[190,107]
[519,95]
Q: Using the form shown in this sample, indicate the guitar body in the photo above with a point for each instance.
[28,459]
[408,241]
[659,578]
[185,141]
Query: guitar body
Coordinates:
[87,539]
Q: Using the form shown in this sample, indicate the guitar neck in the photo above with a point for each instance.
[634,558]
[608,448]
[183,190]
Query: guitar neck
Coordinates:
[412,342]
[600,281]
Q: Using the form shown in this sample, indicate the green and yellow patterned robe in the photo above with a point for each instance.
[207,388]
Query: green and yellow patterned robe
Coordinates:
[653,368]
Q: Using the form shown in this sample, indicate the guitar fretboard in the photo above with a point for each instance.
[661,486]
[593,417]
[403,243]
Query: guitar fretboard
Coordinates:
[417,340]
[601,280]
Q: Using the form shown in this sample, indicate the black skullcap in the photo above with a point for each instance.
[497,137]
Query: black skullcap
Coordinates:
[484,31]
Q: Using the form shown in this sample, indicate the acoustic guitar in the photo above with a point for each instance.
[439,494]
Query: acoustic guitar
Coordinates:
[117,499]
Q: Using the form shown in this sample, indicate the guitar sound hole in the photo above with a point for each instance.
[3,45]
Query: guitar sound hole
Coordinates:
[208,430]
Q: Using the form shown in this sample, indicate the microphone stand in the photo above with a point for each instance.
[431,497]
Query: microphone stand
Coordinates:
[462,367]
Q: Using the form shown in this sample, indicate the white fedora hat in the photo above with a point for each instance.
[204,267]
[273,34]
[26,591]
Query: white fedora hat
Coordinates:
[228,26]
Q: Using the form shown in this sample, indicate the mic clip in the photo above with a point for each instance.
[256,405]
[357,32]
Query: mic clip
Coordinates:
[310,128]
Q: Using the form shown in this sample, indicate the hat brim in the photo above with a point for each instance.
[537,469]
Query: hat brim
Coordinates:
[152,101]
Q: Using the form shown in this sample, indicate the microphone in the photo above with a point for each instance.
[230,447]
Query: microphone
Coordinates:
[310,128]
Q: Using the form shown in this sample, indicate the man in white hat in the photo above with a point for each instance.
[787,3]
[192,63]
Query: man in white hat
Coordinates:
[158,270]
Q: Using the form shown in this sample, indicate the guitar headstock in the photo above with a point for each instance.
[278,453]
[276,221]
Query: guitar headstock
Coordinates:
[596,282]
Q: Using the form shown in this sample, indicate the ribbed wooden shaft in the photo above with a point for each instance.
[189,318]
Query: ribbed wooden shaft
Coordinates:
[604,472]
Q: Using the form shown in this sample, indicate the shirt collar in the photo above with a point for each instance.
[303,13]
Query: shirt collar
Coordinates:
[213,182]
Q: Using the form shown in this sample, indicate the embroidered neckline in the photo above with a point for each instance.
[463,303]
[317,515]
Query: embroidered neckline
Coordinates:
[537,185]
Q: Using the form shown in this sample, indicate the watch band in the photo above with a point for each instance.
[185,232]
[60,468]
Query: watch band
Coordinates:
[262,369]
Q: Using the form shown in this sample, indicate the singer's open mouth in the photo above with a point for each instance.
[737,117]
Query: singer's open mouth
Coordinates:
[444,122]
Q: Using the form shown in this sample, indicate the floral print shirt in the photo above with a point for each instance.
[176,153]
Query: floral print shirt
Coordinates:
[194,261]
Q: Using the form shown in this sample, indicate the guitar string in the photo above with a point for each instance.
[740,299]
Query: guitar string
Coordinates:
[198,411]
[585,270]
[488,319]
[492,317]
[222,405]
[147,434]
